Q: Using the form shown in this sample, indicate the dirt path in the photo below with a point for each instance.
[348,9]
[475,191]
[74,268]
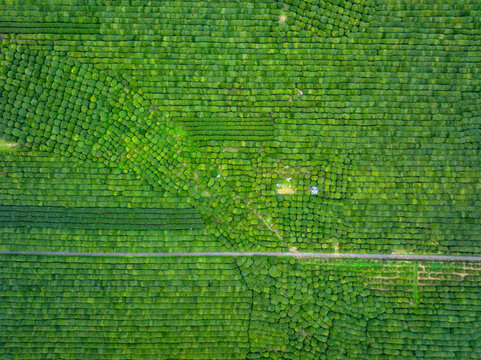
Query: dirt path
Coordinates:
[277,254]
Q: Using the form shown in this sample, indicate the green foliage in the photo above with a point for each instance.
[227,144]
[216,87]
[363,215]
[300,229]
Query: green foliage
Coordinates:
[136,141]
[123,308]
[328,18]
[362,309]
[388,96]
[208,105]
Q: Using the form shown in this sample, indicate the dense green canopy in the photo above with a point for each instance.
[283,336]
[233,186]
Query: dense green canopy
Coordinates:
[184,126]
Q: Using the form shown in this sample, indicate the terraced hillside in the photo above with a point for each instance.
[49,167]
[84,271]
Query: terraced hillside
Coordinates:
[338,126]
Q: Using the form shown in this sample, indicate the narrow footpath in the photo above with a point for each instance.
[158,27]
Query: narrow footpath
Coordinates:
[277,254]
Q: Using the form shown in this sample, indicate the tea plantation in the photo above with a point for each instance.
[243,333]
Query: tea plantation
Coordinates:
[333,126]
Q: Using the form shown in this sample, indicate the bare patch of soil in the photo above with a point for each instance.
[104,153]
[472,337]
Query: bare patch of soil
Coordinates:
[286,190]
[7,145]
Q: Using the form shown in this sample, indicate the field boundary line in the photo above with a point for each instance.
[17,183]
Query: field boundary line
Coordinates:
[407,257]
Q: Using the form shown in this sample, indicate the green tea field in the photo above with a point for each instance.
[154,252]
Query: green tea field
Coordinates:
[163,162]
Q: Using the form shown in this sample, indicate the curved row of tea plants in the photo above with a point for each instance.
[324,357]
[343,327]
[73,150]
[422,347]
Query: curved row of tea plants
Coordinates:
[363,309]
[56,105]
[398,97]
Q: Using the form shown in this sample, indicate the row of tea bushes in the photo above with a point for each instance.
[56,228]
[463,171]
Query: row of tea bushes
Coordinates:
[42,181]
[102,120]
[399,97]
[98,240]
[327,18]
[45,179]
[103,218]
[123,308]
[363,309]
[243,308]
